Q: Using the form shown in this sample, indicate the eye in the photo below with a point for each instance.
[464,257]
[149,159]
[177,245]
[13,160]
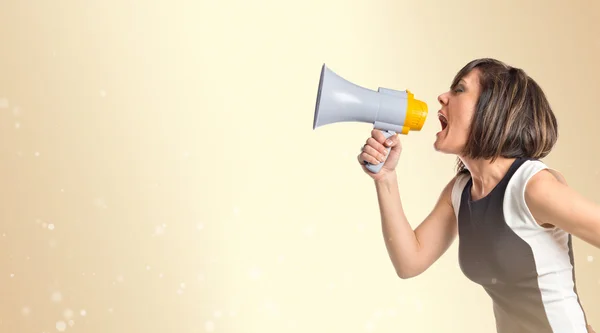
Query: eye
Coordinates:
[458,89]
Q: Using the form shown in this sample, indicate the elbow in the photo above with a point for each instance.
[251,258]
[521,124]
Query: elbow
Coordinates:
[404,276]
[407,274]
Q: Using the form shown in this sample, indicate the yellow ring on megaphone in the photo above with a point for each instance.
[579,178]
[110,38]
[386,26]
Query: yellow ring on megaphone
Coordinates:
[416,113]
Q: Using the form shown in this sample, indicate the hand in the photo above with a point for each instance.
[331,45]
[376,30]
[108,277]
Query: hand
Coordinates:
[374,152]
[590,329]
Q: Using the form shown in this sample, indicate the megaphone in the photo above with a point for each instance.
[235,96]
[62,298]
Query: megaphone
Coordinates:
[391,111]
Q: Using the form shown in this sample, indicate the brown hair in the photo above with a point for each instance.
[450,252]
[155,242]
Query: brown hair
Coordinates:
[513,118]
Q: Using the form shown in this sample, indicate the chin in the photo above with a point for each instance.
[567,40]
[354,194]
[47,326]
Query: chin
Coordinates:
[445,143]
[440,147]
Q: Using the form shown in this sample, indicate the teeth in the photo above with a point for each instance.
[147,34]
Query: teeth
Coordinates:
[442,117]
[443,120]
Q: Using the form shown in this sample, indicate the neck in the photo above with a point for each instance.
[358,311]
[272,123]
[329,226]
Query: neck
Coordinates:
[486,174]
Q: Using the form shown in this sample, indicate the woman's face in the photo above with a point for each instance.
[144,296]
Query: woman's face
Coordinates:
[456,112]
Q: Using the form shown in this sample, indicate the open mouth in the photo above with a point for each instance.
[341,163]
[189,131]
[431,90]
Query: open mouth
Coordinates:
[443,120]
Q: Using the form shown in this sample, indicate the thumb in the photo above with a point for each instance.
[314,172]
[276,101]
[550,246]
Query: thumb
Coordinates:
[393,142]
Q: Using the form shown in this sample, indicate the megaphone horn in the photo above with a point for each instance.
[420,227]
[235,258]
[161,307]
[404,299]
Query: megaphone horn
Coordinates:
[391,111]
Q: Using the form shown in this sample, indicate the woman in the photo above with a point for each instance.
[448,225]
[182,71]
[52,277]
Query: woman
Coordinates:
[514,216]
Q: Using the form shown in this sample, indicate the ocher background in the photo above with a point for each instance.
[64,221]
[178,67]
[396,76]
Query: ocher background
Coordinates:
[160,172]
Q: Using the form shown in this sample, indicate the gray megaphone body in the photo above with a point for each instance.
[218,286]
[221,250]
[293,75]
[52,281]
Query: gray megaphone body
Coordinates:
[388,110]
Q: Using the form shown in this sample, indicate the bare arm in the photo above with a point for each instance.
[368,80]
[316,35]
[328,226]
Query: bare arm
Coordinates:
[552,202]
[412,252]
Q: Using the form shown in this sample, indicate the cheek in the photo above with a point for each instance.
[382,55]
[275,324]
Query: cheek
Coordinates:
[464,123]
[459,130]
[460,123]
[464,117]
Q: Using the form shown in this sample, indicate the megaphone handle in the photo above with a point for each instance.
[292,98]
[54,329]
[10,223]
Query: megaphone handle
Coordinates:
[375,168]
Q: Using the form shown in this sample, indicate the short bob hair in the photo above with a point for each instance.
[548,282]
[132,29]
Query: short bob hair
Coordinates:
[513,118]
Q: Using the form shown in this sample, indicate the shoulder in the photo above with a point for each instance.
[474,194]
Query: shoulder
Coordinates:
[542,179]
[535,175]
[459,181]
[544,191]
[455,187]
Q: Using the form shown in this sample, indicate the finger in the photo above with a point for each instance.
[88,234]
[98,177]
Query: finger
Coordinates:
[374,154]
[379,154]
[378,135]
[369,155]
[373,143]
[392,141]
[365,158]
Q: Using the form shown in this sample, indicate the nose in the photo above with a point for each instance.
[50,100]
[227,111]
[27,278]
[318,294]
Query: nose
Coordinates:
[443,98]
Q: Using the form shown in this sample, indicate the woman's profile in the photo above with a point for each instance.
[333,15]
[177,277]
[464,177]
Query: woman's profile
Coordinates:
[514,215]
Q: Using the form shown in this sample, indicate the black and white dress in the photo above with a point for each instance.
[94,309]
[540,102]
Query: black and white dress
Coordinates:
[525,268]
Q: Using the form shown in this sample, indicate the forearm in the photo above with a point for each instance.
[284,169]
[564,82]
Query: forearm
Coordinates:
[400,239]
